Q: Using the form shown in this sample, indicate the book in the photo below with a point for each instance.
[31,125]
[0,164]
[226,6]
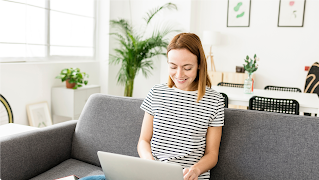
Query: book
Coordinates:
[71,177]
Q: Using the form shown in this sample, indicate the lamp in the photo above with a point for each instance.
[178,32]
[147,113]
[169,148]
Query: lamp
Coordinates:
[211,38]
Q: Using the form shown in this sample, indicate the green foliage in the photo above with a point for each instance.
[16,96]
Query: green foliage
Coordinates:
[74,75]
[151,13]
[136,50]
[251,65]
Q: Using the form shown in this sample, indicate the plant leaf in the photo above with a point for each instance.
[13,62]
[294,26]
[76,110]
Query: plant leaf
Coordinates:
[154,11]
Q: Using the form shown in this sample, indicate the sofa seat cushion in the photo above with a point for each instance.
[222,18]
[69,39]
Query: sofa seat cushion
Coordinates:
[70,167]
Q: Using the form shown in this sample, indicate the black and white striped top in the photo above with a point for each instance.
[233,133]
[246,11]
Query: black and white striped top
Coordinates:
[180,123]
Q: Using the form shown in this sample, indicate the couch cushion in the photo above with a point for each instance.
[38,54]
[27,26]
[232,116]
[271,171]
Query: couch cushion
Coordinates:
[70,167]
[107,123]
[264,145]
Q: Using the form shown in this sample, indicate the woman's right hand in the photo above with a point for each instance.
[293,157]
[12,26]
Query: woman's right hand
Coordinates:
[144,143]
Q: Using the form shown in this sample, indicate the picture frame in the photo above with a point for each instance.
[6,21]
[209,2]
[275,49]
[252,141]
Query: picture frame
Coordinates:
[39,114]
[238,13]
[291,13]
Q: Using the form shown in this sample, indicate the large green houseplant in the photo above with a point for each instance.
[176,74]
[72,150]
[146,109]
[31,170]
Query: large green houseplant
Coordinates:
[74,77]
[136,50]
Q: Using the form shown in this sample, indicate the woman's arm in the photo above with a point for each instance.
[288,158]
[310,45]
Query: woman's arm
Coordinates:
[144,143]
[210,158]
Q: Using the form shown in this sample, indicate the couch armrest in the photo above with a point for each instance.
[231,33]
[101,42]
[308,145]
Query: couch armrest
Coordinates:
[29,154]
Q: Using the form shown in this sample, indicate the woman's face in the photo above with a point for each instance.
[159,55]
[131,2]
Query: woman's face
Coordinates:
[182,68]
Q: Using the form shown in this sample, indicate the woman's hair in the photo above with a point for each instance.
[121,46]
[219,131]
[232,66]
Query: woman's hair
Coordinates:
[192,43]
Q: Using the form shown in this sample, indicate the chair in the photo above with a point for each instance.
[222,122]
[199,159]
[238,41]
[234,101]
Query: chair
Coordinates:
[231,85]
[286,106]
[312,81]
[6,115]
[311,85]
[225,99]
[278,88]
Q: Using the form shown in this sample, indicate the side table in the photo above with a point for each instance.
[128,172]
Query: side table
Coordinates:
[12,128]
[70,102]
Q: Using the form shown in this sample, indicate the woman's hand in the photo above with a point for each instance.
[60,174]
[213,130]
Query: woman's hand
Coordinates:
[144,143]
[191,173]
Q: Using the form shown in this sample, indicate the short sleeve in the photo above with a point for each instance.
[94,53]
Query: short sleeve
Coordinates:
[217,119]
[147,103]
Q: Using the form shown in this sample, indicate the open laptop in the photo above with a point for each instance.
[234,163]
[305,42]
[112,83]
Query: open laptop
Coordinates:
[121,167]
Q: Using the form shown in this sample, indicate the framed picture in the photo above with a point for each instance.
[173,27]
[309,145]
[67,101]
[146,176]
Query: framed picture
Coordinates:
[291,13]
[39,115]
[238,13]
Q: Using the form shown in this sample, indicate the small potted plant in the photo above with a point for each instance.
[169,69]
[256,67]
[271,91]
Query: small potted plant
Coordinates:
[74,77]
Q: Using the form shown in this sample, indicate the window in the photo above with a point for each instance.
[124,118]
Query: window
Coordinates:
[33,30]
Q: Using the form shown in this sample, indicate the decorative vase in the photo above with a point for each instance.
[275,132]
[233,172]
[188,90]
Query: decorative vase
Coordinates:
[249,84]
[69,85]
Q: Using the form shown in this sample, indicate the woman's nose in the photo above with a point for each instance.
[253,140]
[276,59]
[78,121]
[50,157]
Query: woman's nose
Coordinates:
[179,73]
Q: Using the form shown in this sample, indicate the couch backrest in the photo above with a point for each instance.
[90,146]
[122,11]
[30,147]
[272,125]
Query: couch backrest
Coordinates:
[264,145]
[107,123]
[255,145]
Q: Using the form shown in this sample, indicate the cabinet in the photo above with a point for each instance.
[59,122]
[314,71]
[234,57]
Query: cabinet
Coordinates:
[70,102]
[229,77]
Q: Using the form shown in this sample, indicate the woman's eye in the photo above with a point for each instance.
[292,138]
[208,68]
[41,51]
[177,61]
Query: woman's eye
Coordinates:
[188,69]
[173,67]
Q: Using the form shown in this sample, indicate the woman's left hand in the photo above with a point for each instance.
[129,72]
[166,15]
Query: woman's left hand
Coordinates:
[191,173]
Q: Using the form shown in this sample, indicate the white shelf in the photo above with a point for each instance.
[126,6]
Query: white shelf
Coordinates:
[70,102]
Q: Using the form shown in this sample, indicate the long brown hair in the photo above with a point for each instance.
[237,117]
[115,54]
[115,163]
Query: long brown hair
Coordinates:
[191,42]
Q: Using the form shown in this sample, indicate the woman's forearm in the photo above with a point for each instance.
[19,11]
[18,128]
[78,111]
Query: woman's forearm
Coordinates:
[207,162]
[144,150]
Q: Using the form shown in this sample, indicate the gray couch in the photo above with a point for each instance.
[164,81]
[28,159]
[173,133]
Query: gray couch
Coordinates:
[255,145]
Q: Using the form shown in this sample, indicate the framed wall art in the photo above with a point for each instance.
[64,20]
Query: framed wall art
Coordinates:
[39,115]
[291,13]
[238,13]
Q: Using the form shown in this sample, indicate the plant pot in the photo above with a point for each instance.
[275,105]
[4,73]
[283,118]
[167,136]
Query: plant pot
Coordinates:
[69,85]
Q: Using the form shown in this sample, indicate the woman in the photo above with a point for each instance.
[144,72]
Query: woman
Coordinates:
[183,119]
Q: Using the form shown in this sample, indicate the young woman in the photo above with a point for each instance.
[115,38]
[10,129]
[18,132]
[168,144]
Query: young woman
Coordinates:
[183,119]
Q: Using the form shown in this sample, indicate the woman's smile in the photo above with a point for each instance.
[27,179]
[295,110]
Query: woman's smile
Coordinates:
[181,81]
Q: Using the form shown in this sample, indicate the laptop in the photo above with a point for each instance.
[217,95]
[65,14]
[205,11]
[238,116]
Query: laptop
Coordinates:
[121,167]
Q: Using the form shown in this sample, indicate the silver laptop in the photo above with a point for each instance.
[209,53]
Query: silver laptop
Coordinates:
[120,167]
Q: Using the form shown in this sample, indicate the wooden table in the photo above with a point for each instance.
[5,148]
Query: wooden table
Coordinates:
[308,102]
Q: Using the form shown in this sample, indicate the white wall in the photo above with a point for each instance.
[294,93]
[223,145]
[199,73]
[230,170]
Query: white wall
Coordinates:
[134,11]
[102,43]
[283,51]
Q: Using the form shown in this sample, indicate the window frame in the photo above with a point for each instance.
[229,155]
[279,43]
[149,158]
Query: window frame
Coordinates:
[47,45]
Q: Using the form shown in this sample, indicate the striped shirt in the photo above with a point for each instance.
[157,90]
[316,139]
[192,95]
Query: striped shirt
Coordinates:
[180,123]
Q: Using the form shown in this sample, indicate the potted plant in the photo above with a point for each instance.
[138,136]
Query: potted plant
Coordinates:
[74,77]
[251,66]
[137,50]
